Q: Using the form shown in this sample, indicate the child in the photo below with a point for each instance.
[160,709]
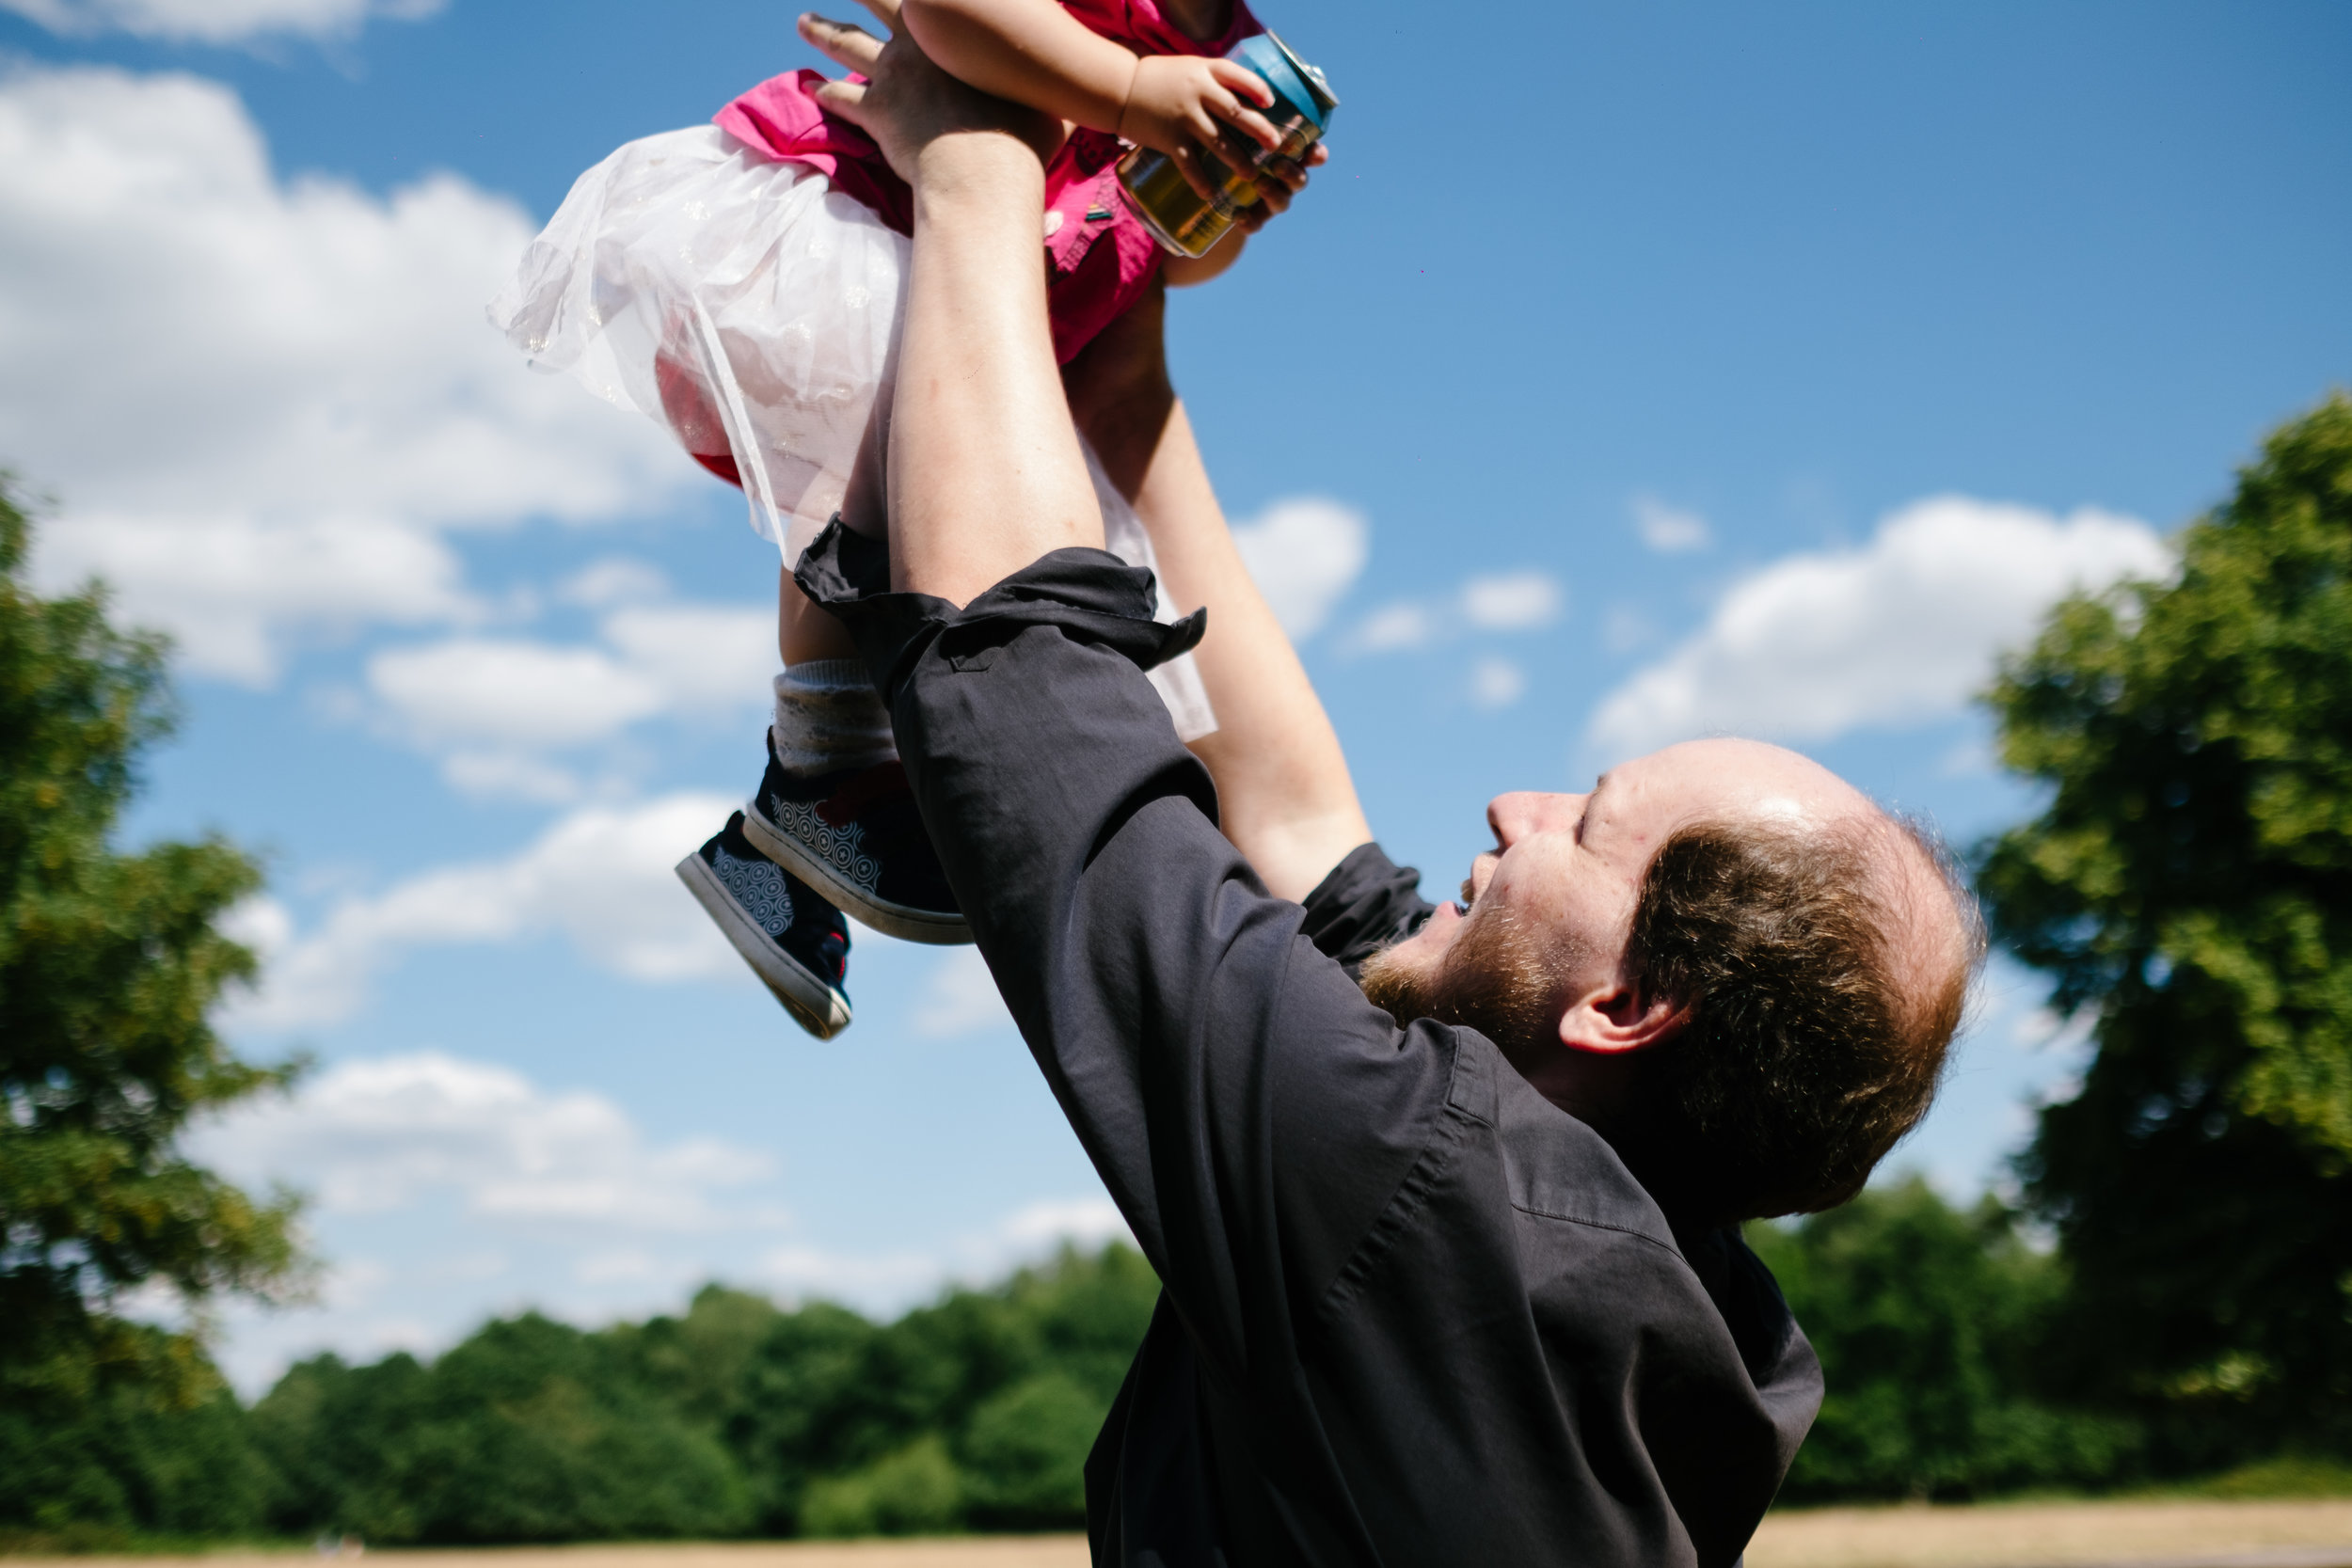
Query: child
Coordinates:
[741,281]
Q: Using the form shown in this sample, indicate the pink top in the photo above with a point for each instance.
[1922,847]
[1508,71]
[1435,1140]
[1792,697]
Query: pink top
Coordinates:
[1102,257]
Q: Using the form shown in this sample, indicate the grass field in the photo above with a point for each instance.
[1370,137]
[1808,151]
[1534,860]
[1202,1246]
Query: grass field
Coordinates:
[2315,1535]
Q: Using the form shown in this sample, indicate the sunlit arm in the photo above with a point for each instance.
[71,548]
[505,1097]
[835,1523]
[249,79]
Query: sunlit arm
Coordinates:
[1031,51]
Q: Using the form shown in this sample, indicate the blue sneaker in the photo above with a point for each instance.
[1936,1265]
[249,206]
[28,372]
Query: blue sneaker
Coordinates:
[794,941]
[856,836]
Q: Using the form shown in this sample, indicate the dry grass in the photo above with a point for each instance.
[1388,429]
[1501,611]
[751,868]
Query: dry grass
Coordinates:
[2016,1535]
[1045,1551]
[2044,1535]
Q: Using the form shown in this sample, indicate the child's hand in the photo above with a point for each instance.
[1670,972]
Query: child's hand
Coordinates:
[1179,103]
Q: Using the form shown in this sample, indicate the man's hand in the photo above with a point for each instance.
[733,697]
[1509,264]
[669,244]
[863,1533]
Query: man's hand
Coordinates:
[907,103]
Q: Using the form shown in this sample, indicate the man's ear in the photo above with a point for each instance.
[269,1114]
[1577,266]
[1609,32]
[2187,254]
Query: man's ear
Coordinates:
[1621,1018]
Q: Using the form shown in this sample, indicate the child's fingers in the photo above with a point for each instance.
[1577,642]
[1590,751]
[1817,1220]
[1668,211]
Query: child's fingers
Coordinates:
[840,42]
[1240,79]
[1250,123]
[1187,161]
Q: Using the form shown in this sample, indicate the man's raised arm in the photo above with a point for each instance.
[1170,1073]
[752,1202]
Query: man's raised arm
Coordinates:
[1283,792]
[985,470]
[1193,1036]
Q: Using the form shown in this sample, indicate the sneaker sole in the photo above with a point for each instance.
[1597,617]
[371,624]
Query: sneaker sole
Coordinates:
[892,920]
[814,1005]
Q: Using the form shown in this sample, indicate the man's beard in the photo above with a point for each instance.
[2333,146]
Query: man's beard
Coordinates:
[1494,977]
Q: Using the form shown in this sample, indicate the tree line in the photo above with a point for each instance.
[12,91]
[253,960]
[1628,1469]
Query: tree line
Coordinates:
[2172,1296]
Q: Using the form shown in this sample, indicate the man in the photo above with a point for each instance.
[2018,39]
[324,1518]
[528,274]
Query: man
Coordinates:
[1451,1278]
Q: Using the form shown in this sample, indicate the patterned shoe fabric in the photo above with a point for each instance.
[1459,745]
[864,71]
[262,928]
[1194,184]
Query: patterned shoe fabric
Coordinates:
[856,836]
[793,940]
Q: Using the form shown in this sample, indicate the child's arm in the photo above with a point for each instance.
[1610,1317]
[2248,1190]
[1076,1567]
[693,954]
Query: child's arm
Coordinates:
[1187,272]
[1035,52]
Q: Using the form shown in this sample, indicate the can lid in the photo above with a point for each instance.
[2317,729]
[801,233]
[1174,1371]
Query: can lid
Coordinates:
[1276,65]
[1316,82]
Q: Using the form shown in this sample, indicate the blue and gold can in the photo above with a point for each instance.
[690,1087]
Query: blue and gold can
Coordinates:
[1178,216]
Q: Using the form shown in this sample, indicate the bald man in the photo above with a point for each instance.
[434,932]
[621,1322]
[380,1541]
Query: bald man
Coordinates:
[1443,1198]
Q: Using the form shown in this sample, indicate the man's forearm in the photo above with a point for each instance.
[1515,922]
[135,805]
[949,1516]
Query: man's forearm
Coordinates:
[985,470]
[1285,798]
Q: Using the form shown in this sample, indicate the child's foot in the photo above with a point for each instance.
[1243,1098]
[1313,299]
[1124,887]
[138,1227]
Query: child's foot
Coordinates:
[793,939]
[856,836]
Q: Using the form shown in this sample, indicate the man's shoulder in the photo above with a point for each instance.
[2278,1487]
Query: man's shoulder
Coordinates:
[1551,1165]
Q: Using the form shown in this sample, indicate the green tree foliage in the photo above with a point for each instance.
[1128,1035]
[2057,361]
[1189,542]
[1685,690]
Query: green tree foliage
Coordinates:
[1933,1327]
[2189,888]
[830,1396]
[737,1417]
[109,965]
[529,1430]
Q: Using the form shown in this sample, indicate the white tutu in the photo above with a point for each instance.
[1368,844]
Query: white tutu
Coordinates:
[753,312]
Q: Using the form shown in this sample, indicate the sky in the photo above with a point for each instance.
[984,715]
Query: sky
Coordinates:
[1632,372]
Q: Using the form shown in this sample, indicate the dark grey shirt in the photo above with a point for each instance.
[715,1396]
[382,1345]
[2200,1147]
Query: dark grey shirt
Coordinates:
[1413,1313]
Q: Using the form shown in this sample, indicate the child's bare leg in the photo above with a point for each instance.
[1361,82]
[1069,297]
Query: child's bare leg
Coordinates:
[805,634]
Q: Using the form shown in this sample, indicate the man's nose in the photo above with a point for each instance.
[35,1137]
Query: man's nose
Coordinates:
[1525,811]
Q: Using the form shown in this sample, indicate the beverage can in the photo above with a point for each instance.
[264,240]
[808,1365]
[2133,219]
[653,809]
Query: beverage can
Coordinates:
[1178,216]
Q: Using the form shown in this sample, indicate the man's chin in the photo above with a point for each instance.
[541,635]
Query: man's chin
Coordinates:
[1397,985]
[1488,976]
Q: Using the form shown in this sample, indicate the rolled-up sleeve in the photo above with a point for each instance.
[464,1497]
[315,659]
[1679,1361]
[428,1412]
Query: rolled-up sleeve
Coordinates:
[1250,1112]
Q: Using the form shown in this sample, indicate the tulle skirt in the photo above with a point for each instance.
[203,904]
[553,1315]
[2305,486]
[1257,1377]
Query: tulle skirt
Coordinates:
[753,310]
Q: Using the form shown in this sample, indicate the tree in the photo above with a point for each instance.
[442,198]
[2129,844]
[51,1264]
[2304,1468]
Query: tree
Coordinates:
[109,963]
[2189,886]
[528,1431]
[974,1411]
[1933,1327]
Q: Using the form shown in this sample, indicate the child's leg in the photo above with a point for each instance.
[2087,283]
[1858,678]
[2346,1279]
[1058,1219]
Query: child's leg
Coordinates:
[827,715]
[833,808]
[805,633]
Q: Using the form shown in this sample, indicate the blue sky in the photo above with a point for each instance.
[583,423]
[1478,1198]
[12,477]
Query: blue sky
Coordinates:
[1632,371]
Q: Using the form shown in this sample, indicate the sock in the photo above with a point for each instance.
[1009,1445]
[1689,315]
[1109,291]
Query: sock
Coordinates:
[829,717]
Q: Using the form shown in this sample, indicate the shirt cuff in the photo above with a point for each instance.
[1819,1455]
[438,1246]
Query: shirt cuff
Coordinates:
[1092,595]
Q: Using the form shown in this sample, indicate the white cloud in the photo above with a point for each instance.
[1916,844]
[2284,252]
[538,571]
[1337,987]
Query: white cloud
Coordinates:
[511,776]
[1515,601]
[1305,554]
[961,998]
[493,704]
[371,1136]
[1668,529]
[895,1278]
[260,402]
[1503,601]
[1904,631]
[1086,1221]
[217,21]
[616,579]
[1497,683]
[1392,628]
[235,590]
[602,875]
[511,690]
